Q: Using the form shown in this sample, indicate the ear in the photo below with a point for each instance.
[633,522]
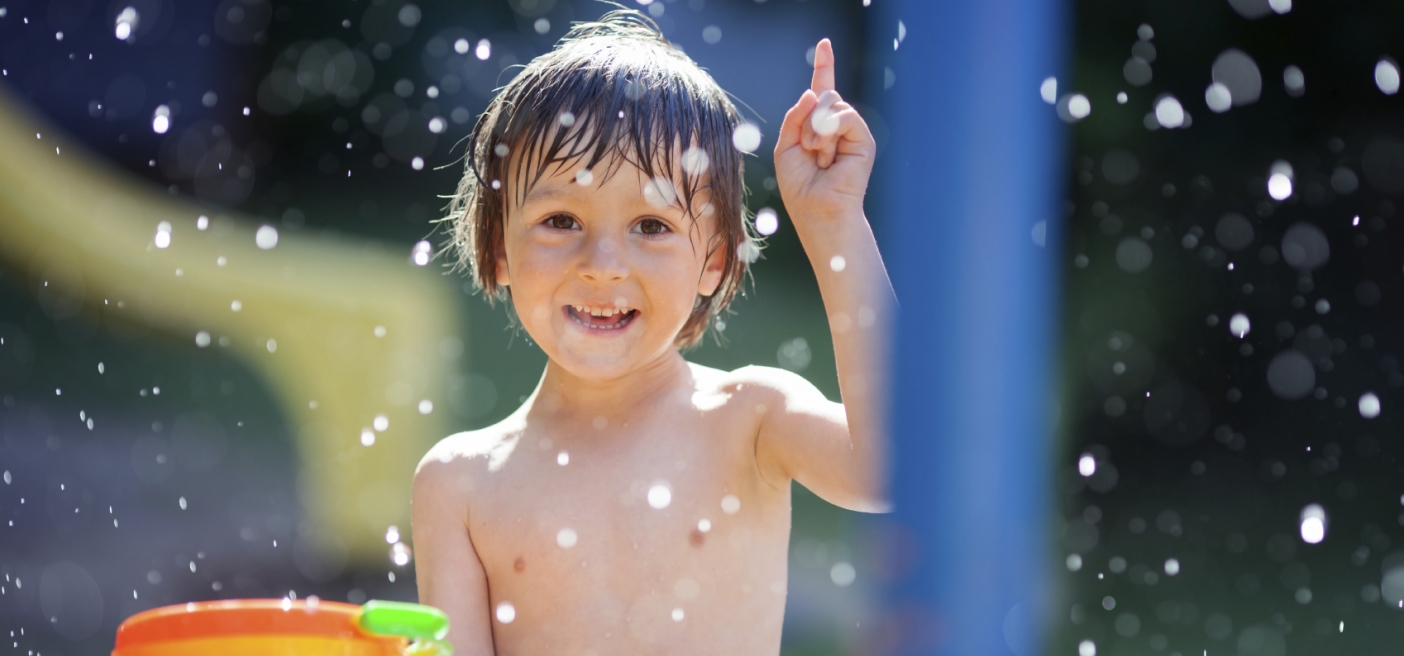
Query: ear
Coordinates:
[712,272]
[500,258]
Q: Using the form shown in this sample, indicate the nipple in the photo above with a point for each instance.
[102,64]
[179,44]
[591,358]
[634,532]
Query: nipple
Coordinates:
[519,564]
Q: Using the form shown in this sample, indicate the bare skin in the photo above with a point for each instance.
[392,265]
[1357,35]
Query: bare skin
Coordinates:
[637,503]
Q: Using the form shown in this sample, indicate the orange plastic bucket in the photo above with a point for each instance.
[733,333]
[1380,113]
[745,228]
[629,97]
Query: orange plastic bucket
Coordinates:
[249,627]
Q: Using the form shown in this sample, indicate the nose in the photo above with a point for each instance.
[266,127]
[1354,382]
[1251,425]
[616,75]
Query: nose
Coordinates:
[602,260]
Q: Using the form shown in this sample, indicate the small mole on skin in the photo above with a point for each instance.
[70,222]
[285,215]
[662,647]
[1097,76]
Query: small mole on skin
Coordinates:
[696,538]
[519,564]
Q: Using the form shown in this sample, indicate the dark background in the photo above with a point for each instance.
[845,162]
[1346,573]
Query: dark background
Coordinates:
[1198,458]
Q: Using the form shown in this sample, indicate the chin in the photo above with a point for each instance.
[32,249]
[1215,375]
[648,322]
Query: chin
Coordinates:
[601,358]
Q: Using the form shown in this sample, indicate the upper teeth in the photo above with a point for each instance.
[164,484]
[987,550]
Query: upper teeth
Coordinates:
[599,312]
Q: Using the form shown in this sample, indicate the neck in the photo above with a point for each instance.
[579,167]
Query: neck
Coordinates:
[561,394]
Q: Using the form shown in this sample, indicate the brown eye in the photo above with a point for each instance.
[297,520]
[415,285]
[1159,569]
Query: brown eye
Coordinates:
[561,221]
[652,227]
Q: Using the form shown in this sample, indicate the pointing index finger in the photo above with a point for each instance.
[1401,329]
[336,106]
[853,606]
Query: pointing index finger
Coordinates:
[823,67]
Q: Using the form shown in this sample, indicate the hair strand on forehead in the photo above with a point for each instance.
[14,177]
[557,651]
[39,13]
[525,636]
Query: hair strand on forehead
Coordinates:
[612,91]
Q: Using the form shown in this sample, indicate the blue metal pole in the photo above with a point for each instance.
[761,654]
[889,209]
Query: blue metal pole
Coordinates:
[975,174]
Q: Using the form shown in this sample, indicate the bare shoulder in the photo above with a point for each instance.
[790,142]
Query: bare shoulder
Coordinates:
[461,458]
[759,384]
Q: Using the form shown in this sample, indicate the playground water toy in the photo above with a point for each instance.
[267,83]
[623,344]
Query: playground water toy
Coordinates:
[285,627]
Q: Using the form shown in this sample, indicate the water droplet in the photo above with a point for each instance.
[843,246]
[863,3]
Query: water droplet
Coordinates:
[695,161]
[746,137]
[381,423]
[1086,465]
[1239,325]
[163,234]
[1313,527]
[563,458]
[584,177]
[462,46]
[400,554]
[483,51]
[767,221]
[1369,405]
[659,192]
[202,339]
[1239,74]
[659,496]
[266,237]
[367,437]
[161,119]
[1049,90]
[837,263]
[842,574]
[1294,80]
[1086,648]
[703,525]
[1172,567]
[418,164]
[127,21]
[506,612]
[1169,113]
[566,538]
[182,503]
[421,252]
[730,504]
[1074,107]
[1218,98]
[1387,76]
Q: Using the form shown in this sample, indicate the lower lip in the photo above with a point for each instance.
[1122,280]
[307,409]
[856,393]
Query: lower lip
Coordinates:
[575,318]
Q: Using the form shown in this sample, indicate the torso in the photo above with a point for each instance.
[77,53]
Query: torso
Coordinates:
[686,577]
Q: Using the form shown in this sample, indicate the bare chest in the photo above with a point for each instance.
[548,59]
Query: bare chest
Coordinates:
[640,537]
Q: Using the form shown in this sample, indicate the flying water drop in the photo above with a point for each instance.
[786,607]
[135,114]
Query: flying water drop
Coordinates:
[127,21]
[1313,526]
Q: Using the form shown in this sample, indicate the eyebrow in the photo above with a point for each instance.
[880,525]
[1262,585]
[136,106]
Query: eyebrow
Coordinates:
[545,192]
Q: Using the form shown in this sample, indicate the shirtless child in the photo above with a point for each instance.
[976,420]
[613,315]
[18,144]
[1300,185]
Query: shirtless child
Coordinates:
[637,503]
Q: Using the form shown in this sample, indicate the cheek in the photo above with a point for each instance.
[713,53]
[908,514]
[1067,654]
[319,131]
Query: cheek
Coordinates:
[534,271]
[671,274]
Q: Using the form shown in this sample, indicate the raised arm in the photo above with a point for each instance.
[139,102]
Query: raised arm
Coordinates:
[450,576]
[823,157]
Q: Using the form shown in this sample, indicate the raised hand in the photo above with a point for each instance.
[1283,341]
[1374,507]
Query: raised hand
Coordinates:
[824,153]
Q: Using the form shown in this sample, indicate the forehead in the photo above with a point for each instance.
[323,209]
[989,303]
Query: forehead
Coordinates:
[674,178]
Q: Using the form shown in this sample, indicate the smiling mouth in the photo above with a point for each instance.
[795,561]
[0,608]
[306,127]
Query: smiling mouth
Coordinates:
[611,319]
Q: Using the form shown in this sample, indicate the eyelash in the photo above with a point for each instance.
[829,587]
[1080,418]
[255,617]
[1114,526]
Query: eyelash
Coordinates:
[552,222]
[662,227]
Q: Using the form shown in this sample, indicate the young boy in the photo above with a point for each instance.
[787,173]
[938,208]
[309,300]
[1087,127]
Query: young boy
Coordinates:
[637,503]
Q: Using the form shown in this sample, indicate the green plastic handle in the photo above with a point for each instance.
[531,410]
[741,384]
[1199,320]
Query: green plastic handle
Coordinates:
[422,624]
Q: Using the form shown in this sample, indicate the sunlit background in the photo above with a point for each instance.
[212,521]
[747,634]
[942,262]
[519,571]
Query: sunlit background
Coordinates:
[226,334]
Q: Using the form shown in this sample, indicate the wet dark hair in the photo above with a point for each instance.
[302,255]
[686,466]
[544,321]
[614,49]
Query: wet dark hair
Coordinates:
[613,89]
